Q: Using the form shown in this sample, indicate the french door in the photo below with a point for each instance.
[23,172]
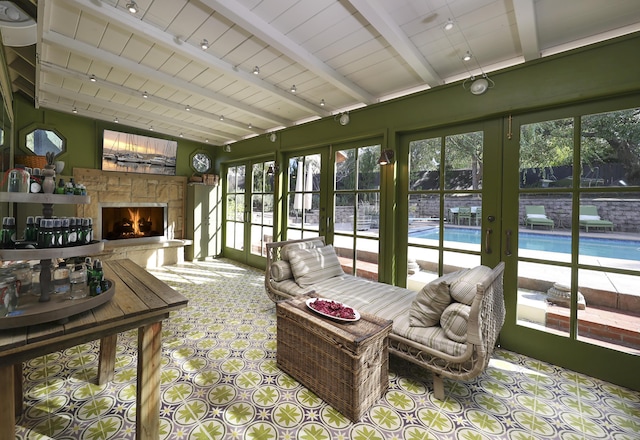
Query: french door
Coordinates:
[249,210]
[571,238]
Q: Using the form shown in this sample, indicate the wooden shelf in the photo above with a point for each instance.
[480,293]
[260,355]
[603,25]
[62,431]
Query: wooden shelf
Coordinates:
[31,312]
[45,199]
[52,253]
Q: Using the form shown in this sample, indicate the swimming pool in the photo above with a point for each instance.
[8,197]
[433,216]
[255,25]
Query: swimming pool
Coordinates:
[595,247]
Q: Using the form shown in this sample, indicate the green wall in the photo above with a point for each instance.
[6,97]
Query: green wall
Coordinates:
[84,137]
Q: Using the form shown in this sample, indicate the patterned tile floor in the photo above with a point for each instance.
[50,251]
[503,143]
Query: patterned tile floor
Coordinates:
[220,381]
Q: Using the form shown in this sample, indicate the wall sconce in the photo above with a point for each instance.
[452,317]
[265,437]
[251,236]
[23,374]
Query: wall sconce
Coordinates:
[227,148]
[272,137]
[386,157]
[274,168]
[478,86]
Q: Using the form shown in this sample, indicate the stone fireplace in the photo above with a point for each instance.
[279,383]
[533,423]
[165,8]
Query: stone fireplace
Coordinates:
[143,222]
[163,238]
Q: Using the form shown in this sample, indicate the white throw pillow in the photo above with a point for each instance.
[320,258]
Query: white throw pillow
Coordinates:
[284,252]
[430,302]
[454,321]
[310,266]
[281,270]
[464,289]
[589,217]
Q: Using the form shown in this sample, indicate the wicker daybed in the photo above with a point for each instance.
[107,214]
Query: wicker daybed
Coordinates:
[480,319]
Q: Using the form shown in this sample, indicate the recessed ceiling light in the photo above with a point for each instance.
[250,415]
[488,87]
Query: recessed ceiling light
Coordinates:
[467,56]
[448,25]
[132,7]
[204,44]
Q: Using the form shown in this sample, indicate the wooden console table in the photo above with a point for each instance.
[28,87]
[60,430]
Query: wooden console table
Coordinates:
[140,301]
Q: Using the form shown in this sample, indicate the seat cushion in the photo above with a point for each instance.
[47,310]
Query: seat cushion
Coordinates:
[463,288]
[310,266]
[454,321]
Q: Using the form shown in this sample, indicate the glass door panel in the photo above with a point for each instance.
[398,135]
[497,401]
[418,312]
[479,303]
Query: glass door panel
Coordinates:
[357,209]
[304,179]
[262,201]
[235,207]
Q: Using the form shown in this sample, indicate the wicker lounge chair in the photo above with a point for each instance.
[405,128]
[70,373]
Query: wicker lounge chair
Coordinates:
[589,218]
[536,216]
[427,347]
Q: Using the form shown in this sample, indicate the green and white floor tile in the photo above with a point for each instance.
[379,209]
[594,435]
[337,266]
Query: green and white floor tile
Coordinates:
[220,381]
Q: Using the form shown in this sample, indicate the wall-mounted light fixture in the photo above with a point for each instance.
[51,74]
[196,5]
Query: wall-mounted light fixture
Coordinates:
[386,157]
[342,118]
[274,168]
[227,148]
[272,136]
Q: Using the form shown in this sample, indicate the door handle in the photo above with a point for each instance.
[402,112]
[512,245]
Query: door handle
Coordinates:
[507,250]
[487,241]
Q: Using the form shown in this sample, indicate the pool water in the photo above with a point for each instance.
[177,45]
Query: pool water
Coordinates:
[595,247]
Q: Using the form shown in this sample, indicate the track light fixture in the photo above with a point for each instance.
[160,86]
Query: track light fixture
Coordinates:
[188,108]
[221,118]
[467,56]
[74,110]
[448,25]
[256,70]
[386,157]
[204,44]
[181,135]
[116,120]
[93,78]
[132,7]
[342,118]
[145,95]
[293,89]
[272,136]
[322,103]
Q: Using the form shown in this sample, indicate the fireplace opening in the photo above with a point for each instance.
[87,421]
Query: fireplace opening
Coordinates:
[128,222]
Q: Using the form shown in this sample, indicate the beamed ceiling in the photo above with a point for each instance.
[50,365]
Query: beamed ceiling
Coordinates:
[345,53]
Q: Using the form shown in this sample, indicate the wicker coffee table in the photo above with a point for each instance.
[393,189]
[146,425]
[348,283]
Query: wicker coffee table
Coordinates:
[345,364]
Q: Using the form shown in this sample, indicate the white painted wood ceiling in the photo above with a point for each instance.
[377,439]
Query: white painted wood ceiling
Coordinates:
[349,53]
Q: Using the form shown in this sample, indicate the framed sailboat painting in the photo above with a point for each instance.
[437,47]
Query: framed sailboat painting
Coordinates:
[138,154]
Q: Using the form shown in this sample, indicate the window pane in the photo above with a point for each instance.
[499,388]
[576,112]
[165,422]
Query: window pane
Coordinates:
[610,149]
[463,161]
[345,170]
[545,227]
[424,164]
[368,168]
[344,212]
[546,154]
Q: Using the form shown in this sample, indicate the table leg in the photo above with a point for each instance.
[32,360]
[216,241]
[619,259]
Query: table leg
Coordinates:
[107,359]
[17,388]
[148,392]
[7,403]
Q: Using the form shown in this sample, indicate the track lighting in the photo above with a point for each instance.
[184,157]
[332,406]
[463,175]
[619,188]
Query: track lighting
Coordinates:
[74,110]
[132,7]
[221,118]
[116,120]
[181,135]
[342,118]
[386,157]
[293,89]
[250,125]
[256,70]
[204,44]
[151,128]
[93,78]
[188,108]
[467,56]
[322,103]
[448,25]
[145,95]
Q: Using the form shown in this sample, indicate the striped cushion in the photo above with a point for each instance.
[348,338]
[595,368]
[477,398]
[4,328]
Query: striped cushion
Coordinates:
[281,270]
[454,321]
[464,289]
[287,248]
[310,266]
[429,304]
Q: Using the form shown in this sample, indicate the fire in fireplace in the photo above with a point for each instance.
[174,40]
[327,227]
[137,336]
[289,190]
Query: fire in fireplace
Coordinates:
[127,222]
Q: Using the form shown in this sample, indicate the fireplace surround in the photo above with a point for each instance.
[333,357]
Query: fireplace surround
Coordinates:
[134,222]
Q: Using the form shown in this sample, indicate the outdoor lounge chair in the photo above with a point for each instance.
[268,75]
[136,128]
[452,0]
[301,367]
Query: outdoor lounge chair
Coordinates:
[464,213]
[589,218]
[536,216]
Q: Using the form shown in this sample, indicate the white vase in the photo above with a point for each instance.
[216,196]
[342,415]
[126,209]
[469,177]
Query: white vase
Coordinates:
[59,166]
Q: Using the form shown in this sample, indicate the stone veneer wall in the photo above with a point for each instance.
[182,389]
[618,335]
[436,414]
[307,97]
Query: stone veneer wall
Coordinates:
[113,186]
